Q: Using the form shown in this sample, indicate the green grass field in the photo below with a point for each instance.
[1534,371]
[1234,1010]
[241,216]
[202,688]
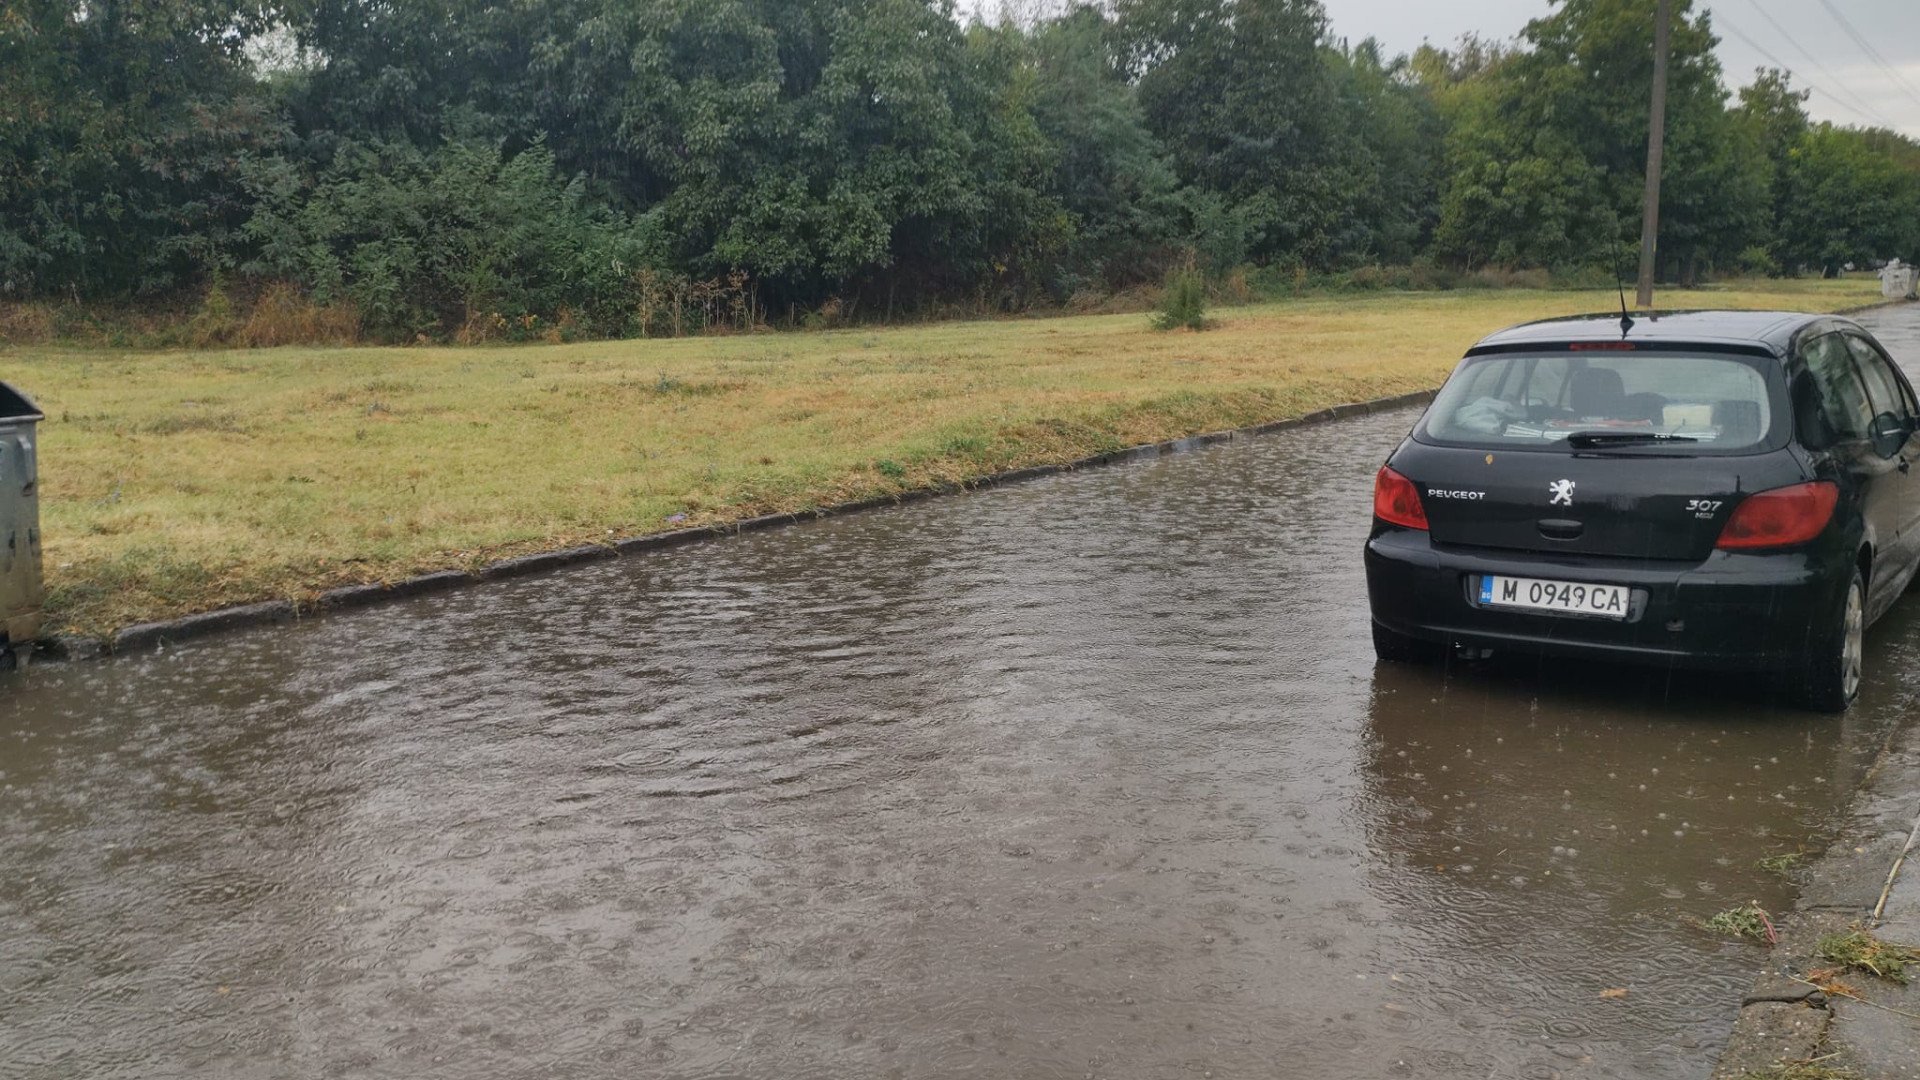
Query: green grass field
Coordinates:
[181,482]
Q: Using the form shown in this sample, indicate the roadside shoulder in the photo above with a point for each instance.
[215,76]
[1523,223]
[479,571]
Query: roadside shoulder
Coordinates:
[1811,1007]
[153,636]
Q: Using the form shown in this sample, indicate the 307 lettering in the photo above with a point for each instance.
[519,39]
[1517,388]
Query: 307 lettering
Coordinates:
[1705,509]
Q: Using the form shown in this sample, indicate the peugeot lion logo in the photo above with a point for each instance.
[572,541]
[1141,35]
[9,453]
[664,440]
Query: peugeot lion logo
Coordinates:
[1562,493]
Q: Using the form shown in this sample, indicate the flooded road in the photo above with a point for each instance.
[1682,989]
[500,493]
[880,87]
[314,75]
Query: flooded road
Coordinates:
[1091,777]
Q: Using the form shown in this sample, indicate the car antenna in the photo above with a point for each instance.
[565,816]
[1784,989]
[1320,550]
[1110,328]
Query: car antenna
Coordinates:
[1626,320]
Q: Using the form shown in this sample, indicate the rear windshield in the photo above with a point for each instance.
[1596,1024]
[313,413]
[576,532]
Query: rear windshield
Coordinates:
[1707,403]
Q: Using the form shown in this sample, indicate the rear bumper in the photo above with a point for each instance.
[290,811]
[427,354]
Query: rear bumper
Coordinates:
[1731,612]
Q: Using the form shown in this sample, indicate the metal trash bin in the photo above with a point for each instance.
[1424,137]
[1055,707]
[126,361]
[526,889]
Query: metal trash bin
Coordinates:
[22,592]
[1899,282]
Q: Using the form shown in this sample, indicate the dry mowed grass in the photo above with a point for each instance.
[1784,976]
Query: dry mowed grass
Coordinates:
[181,482]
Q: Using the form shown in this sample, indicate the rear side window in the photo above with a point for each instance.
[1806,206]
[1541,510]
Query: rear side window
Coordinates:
[1718,403]
[1831,402]
[1885,392]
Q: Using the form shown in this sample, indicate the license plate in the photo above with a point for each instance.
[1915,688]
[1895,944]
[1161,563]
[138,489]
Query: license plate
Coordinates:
[1566,597]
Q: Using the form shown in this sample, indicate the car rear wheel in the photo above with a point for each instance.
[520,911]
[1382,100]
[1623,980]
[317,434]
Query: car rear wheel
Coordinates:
[1832,678]
[1395,647]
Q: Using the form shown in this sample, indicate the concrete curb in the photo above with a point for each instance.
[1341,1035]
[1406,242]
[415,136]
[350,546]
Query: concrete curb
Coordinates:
[1782,1019]
[155,634]
[1875,306]
[147,637]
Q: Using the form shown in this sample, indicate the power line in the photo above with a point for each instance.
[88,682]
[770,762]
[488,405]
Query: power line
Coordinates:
[1865,108]
[1863,113]
[1854,105]
[1866,113]
[1874,54]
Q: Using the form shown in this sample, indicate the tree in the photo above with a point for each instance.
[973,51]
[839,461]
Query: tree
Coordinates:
[1391,141]
[1518,190]
[121,122]
[817,144]
[1547,166]
[1846,201]
[459,236]
[1237,92]
[437,161]
[1773,117]
[1109,173]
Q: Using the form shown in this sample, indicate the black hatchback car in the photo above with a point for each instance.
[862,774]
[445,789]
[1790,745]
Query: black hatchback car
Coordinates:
[1726,490]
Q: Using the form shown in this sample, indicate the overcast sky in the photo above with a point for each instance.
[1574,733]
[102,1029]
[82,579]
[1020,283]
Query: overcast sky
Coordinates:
[1849,84]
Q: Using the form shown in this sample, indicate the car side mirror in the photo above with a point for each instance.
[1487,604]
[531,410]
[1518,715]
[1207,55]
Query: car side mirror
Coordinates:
[1890,433]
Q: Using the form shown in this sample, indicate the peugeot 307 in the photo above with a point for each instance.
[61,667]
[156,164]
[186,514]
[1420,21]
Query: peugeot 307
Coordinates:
[1717,489]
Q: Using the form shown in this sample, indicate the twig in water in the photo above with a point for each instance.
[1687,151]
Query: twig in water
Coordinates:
[1855,997]
[1913,838]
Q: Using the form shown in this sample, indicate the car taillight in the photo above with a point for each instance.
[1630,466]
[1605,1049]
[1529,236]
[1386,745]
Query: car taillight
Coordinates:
[1396,501]
[1782,517]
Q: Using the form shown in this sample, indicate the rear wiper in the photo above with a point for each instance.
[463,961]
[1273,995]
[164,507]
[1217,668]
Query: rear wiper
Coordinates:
[1589,440]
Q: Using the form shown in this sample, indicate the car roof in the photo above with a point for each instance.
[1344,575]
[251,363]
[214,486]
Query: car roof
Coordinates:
[1771,332]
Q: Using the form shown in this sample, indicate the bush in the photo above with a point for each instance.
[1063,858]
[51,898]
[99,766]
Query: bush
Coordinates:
[27,324]
[1369,278]
[1184,303]
[1494,277]
[1273,282]
[1757,261]
[1237,287]
[1426,273]
[214,323]
[1373,277]
[283,315]
[1587,277]
[462,236]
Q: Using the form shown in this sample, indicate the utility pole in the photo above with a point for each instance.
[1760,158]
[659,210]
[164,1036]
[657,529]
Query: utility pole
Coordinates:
[1656,151]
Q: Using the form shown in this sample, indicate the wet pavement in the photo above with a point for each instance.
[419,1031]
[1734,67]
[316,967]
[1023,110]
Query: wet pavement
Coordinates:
[1094,776]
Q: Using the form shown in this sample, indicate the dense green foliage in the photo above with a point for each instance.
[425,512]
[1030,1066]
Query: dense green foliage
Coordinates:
[409,236]
[640,166]
[1549,157]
